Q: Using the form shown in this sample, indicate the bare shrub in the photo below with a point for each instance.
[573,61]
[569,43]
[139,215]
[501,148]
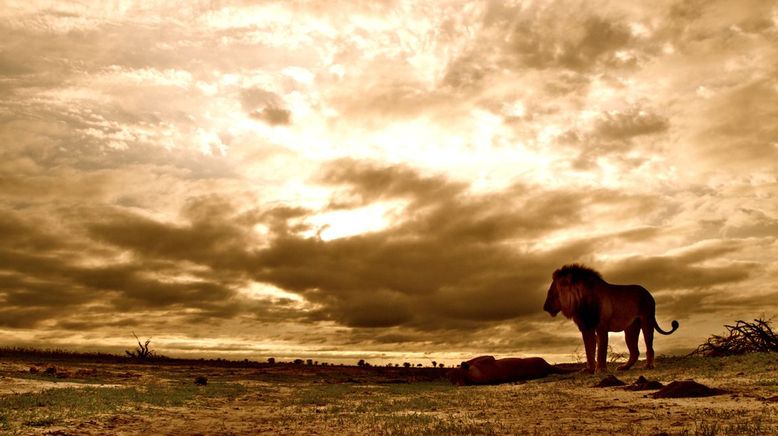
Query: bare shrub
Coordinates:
[741,338]
[143,351]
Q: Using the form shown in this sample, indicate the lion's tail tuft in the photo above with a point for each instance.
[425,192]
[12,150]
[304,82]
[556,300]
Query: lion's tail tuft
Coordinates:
[674,324]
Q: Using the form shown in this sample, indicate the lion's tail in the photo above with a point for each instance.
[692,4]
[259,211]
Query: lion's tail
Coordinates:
[674,324]
[567,369]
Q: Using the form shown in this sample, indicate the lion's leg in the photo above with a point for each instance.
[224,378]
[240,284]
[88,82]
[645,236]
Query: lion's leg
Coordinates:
[648,336]
[602,351]
[631,335]
[590,344]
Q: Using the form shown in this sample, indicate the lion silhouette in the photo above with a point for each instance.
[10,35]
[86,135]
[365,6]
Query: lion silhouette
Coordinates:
[598,307]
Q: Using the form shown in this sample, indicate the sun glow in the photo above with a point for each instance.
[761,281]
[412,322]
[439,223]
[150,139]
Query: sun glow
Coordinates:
[264,291]
[344,223]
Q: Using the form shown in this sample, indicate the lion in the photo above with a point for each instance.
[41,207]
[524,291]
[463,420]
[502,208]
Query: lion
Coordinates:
[486,370]
[598,307]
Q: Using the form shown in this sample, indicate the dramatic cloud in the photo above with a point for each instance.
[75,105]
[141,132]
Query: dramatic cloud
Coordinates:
[290,180]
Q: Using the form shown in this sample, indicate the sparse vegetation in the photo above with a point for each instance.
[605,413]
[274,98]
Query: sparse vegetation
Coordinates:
[261,398]
[741,338]
[40,409]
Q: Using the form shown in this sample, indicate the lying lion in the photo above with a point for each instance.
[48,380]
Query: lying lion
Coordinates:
[486,370]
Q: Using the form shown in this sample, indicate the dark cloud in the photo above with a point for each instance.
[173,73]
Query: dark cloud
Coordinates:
[758,224]
[265,106]
[546,41]
[565,43]
[615,134]
[453,261]
[741,126]
[682,271]
[627,124]
[273,116]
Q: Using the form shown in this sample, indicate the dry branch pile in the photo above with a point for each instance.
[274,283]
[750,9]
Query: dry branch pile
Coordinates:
[743,337]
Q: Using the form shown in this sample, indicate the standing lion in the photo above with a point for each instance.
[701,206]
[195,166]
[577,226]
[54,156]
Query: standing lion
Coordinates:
[598,307]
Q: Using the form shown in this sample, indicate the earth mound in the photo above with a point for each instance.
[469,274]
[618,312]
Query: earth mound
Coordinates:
[609,381]
[643,384]
[686,389]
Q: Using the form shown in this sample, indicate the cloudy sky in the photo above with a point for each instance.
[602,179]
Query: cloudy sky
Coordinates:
[338,179]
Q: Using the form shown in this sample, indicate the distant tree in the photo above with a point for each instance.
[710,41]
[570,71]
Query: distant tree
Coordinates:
[442,365]
[315,362]
[396,365]
[361,362]
[434,364]
[298,361]
[309,362]
[407,364]
[271,360]
[419,365]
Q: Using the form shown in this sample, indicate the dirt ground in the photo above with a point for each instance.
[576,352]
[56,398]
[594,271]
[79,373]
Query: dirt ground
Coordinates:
[73,397]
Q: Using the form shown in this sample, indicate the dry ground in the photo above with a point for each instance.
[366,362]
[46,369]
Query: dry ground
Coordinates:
[125,398]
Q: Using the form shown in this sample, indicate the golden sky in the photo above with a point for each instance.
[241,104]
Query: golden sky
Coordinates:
[338,179]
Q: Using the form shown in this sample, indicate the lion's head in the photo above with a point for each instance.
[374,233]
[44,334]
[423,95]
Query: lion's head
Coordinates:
[569,286]
[458,375]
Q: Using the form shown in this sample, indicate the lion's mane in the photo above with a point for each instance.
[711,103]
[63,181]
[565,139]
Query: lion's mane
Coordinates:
[574,283]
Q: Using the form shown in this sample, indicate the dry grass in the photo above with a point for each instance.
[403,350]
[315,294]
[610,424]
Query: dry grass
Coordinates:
[351,400]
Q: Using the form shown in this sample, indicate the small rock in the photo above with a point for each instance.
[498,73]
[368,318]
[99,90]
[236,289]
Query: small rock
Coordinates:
[51,370]
[201,380]
[34,370]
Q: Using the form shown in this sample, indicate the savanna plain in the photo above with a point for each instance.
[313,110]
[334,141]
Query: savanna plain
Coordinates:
[60,393]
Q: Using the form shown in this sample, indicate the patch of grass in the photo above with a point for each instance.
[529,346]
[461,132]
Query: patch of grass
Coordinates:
[714,422]
[425,424]
[41,421]
[70,379]
[55,405]
[322,395]
[422,387]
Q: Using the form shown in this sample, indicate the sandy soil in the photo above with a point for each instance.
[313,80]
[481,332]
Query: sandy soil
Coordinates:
[293,399]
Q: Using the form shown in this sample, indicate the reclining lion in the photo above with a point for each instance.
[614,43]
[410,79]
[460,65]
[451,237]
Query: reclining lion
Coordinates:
[486,370]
